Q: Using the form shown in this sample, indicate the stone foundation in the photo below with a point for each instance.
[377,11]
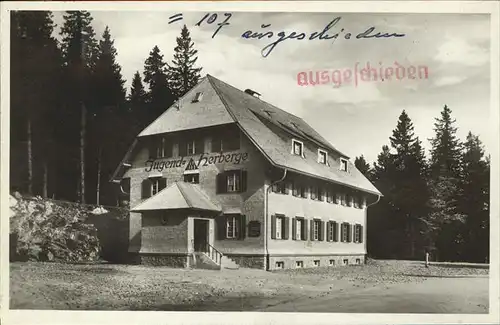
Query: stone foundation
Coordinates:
[308,261]
[177,261]
[248,261]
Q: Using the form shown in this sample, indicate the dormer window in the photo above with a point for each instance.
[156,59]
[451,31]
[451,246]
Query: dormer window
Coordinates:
[297,148]
[322,156]
[197,97]
[343,164]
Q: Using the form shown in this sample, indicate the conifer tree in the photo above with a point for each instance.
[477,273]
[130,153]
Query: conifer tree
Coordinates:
[80,53]
[35,72]
[182,74]
[160,96]
[107,109]
[474,200]
[363,166]
[445,220]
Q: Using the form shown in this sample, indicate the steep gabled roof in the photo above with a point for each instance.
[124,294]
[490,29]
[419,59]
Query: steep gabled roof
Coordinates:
[225,104]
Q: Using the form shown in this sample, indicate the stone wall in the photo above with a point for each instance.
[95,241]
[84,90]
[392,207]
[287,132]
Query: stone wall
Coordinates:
[308,261]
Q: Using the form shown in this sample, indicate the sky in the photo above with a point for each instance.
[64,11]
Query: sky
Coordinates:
[357,119]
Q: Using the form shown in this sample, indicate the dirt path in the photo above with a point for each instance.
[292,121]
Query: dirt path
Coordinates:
[468,295]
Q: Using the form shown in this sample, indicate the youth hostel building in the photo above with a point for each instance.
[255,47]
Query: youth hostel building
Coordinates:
[223,179]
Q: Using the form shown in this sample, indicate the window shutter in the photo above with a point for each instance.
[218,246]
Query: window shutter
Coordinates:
[349,233]
[221,227]
[243,226]
[162,183]
[294,228]
[335,231]
[322,231]
[304,230]
[273,227]
[360,233]
[221,181]
[243,180]
[182,148]
[342,231]
[286,231]
[311,225]
[146,188]
[199,146]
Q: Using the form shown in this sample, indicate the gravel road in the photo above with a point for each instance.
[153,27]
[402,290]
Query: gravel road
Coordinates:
[135,287]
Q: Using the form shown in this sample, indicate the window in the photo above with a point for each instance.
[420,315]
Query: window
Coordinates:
[297,148]
[350,200]
[332,231]
[346,261]
[342,198]
[345,232]
[358,261]
[299,229]
[356,202]
[280,188]
[332,263]
[197,97]
[279,227]
[234,181]
[299,264]
[232,227]
[192,178]
[343,164]
[315,193]
[299,190]
[160,148]
[153,185]
[316,263]
[330,196]
[280,265]
[358,233]
[226,142]
[322,157]
[316,229]
[191,147]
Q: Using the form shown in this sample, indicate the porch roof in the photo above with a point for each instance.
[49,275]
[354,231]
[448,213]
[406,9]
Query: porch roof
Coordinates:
[179,195]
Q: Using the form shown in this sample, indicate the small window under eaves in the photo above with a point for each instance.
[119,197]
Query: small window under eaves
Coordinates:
[197,97]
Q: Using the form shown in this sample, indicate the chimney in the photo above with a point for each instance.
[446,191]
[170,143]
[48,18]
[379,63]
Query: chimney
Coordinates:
[252,93]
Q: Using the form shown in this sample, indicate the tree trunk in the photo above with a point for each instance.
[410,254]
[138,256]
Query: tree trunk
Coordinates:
[98,174]
[45,180]
[82,154]
[30,158]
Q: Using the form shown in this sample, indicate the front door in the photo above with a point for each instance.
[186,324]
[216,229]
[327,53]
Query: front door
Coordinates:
[200,235]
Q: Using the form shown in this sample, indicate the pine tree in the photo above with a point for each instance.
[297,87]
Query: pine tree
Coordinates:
[363,166]
[80,53]
[160,96]
[107,109]
[411,194]
[474,200]
[137,106]
[182,74]
[446,147]
[32,116]
[445,220]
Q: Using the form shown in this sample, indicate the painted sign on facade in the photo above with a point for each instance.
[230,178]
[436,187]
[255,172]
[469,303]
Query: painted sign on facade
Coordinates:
[192,164]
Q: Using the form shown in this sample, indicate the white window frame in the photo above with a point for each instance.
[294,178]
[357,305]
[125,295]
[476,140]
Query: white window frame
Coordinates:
[280,265]
[299,264]
[321,151]
[316,263]
[232,223]
[357,233]
[331,230]
[197,97]
[344,232]
[332,262]
[155,185]
[294,141]
[280,222]
[299,223]
[233,183]
[317,229]
[191,142]
[342,162]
